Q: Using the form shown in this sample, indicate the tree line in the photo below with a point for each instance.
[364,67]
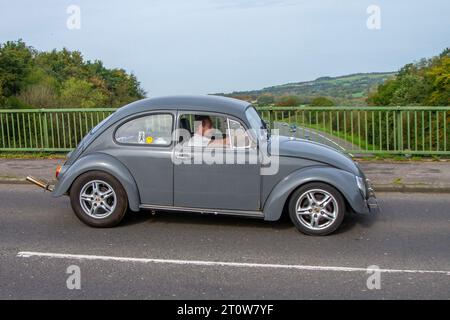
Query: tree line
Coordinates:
[425,83]
[61,79]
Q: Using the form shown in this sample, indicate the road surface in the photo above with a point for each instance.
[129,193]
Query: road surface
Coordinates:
[188,256]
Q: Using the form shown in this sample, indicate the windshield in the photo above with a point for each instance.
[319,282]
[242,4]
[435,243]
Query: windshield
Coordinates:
[258,126]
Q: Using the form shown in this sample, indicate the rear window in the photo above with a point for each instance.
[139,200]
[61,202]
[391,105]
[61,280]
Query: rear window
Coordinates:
[154,130]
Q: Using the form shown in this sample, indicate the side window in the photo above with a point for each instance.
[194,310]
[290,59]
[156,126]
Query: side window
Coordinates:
[203,130]
[239,138]
[155,129]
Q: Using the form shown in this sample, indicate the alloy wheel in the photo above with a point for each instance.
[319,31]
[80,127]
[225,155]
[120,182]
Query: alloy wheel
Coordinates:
[316,209]
[98,199]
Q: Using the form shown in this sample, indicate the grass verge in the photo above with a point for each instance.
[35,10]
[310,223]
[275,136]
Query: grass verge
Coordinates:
[31,155]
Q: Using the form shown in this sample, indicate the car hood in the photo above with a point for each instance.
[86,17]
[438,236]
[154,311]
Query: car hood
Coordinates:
[300,148]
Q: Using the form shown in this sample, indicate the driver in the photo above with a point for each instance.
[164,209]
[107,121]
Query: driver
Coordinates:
[203,134]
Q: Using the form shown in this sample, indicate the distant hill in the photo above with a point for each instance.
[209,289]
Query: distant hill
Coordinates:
[350,89]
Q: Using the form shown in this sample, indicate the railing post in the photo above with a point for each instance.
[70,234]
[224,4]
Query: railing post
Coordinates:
[271,117]
[399,121]
[45,129]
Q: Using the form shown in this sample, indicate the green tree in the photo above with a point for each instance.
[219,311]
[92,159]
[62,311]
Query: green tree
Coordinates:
[76,93]
[288,101]
[29,78]
[439,78]
[63,64]
[383,96]
[39,96]
[2,98]
[15,64]
[322,102]
[266,99]
[426,82]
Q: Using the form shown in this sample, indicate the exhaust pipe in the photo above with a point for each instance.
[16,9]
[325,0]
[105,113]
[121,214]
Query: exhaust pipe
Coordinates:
[41,184]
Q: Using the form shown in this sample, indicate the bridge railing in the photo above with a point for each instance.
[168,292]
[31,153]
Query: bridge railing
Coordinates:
[357,130]
[48,130]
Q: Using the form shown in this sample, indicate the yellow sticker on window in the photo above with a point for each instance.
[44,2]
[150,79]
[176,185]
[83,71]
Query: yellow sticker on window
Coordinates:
[149,140]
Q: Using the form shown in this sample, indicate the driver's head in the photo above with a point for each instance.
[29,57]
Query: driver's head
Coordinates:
[205,124]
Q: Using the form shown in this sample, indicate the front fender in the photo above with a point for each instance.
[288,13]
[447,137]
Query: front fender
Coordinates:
[100,162]
[343,181]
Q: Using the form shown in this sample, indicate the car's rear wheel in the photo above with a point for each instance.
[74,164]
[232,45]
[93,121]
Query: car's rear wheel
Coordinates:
[98,199]
[317,209]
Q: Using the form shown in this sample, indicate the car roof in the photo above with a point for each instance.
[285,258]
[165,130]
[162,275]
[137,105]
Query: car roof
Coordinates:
[201,103]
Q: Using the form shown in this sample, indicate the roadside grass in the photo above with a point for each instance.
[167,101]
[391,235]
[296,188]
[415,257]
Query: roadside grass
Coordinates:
[353,139]
[31,155]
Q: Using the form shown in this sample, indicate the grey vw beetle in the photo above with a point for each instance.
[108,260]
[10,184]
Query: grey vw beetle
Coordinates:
[127,162]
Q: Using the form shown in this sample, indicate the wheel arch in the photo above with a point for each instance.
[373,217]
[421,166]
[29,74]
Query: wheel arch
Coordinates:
[341,180]
[105,163]
[288,199]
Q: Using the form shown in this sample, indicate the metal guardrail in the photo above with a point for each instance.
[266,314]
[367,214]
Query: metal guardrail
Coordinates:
[47,130]
[371,130]
[358,130]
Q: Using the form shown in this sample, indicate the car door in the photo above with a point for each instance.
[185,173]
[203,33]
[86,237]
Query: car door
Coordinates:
[230,185]
[146,149]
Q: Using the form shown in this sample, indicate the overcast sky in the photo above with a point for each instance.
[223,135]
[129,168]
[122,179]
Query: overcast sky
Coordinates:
[209,46]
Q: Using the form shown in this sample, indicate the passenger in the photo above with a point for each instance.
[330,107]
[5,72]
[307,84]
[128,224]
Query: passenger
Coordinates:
[203,135]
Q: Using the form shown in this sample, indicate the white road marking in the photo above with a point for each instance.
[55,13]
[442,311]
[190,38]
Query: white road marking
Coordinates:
[28,254]
[323,137]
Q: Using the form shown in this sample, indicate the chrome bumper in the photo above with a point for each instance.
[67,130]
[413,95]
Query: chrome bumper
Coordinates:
[372,202]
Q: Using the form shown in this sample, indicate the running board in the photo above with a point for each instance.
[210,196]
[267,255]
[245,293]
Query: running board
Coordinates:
[252,214]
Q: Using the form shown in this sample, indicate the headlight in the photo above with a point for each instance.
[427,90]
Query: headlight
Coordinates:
[361,185]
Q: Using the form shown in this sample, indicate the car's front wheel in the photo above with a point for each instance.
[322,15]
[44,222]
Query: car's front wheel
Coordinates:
[317,209]
[98,199]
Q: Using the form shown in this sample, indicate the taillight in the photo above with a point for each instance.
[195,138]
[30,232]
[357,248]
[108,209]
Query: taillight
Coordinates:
[58,170]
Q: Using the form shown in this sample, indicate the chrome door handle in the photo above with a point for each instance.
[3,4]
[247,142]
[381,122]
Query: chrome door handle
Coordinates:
[183,156]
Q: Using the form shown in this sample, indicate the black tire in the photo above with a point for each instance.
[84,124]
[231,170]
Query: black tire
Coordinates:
[109,218]
[304,222]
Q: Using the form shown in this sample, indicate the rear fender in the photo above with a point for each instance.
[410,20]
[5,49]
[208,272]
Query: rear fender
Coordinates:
[100,162]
